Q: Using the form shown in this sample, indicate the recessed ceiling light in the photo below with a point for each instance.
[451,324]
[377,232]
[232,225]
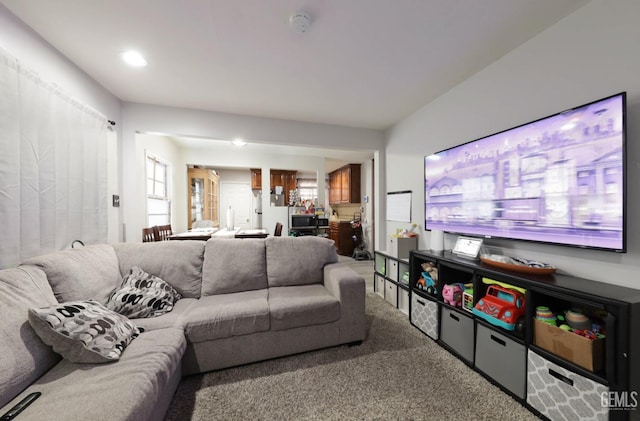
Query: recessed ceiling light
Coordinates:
[134,58]
[238,142]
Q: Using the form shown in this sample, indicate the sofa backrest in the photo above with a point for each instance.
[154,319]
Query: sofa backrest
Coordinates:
[23,356]
[83,273]
[179,263]
[232,265]
[298,260]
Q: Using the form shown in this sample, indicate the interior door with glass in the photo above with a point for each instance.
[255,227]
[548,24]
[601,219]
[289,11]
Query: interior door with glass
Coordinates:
[196,199]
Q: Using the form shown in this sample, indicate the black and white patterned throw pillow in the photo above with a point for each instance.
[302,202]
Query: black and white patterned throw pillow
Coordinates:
[83,331]
[143,295]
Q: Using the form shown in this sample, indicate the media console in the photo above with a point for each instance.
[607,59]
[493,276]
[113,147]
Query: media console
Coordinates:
[391,280]
[551,382]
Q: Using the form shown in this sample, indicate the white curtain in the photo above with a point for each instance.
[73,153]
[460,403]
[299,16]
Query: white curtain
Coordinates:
[53,167]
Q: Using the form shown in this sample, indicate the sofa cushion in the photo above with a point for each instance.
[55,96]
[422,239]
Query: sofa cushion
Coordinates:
[23,356]
[83,331]
[179,263]
[130,389]
[298,260]
[142,295]
[82,273]
[226,315]
[175,318]
[304,305]
[231,265]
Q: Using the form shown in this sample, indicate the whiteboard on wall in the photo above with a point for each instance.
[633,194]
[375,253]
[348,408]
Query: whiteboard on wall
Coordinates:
[399,206]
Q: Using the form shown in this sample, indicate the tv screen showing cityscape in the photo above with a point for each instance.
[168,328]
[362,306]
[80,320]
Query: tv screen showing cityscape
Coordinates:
[560,180]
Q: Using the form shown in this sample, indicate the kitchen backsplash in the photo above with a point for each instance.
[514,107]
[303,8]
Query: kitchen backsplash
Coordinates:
[346,212]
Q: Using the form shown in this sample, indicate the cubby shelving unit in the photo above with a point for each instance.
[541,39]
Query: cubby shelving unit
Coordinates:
[391,280]
[550,383]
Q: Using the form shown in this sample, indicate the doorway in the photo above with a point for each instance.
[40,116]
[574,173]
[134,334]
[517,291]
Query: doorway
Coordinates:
[240,197]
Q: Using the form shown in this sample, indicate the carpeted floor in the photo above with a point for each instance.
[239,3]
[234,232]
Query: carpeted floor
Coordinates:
[398,373]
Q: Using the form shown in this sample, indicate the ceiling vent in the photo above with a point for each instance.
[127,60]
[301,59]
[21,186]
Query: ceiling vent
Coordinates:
[300,22]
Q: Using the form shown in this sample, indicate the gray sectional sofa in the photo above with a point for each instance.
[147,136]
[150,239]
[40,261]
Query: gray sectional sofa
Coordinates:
[242,301]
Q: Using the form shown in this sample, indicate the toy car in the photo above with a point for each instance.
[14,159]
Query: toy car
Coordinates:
[427,284]
[501,306]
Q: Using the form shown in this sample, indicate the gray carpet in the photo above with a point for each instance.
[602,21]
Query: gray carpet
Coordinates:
[398,373]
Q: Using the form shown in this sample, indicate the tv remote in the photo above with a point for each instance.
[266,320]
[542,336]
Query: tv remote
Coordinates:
[13,412]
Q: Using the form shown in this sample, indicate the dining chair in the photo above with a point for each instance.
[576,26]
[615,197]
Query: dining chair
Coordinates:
[149,234]
[278,231]
[164,231]
[202,223]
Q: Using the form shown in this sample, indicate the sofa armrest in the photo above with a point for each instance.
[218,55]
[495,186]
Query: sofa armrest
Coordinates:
[347,286]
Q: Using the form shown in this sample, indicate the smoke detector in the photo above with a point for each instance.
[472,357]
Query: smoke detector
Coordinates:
[300,22]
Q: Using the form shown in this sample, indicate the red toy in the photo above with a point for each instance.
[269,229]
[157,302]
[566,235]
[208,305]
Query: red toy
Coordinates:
[501,306]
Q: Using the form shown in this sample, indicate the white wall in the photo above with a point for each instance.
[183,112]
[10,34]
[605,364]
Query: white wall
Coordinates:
[586,56]
[38,54]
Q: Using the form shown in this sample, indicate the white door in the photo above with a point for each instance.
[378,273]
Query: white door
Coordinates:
[240,198]
[257,210]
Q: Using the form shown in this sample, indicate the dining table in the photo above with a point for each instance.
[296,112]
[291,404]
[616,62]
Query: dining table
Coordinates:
[252,233]
[202,234]
[238,232]
[205,234]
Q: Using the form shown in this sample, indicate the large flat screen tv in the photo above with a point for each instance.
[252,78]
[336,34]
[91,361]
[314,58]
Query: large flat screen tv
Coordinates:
[560,180]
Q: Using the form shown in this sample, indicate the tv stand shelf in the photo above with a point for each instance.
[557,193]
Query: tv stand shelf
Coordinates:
[544,378]
[389,279]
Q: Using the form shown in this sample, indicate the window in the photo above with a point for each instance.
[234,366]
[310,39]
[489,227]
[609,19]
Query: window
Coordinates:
[158,203]
[307,188]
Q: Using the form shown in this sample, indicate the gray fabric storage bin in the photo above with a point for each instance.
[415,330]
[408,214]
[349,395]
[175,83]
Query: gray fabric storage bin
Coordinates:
[494,352]
[456,330]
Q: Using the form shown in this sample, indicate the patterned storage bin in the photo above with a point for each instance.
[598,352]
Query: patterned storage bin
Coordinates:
[560,394]
[424,315]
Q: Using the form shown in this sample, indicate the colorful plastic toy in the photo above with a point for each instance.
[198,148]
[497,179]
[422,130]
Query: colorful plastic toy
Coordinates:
[577,320]
[452,294]
[427,284]
[467,299]
[501,307]
[545,315]
[431,269]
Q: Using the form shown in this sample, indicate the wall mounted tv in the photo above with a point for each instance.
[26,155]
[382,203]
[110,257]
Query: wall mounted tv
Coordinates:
[560,180]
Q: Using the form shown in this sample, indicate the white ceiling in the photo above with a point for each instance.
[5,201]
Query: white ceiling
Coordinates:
[362,63]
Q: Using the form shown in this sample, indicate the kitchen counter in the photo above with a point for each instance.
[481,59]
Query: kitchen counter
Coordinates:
[342,234]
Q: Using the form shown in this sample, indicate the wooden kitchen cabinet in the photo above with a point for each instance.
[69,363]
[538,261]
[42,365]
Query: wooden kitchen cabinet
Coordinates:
[290,183]
[276,180]
[344,185]
[285,178]
[256,179]
[335,192]
[342,235]
[204,196]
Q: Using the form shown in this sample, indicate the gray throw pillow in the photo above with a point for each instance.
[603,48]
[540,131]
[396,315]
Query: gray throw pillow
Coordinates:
[143,295]
[83,331]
